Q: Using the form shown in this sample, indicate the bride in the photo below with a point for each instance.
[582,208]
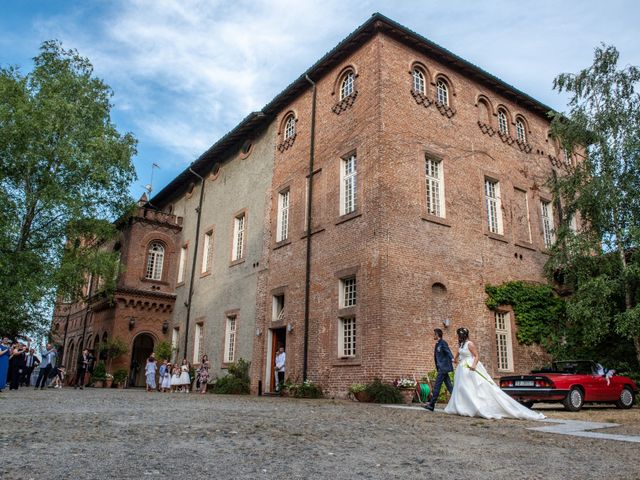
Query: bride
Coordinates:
[474,392]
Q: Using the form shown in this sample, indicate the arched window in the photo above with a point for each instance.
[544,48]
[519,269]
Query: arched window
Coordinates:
[503,124]
[520,130]
[347,85]
[155,260]
[290,127]
[483,112]
[418,81]
[442,92]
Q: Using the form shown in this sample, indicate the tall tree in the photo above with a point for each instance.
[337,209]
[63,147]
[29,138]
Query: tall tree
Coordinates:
[64,175]
[600,260]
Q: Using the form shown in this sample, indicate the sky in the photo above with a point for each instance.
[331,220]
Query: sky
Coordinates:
[185,72]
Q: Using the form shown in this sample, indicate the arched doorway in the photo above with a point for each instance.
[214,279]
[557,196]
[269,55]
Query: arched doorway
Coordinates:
[142,348]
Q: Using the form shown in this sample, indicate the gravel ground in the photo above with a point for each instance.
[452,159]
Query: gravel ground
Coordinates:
[125,434]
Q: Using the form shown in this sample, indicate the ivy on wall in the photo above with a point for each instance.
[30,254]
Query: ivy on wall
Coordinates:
[539,312]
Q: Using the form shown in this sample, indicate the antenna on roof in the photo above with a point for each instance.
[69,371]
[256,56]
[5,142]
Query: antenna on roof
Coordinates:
[149,186]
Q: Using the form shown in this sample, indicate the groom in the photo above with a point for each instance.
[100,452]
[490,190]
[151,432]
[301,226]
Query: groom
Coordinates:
[444,365]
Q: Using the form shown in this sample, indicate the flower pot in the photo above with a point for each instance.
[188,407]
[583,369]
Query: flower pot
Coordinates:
[407,395]
[98,384]
[362,396]
[108,382]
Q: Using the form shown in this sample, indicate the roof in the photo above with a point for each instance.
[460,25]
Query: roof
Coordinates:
[256,121]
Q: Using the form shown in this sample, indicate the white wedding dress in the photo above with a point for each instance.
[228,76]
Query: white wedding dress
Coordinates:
[476,395]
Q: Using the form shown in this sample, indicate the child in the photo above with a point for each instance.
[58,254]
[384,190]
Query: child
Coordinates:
[58,377]
[606,373]
[185,378]
[165,380]
[175,379]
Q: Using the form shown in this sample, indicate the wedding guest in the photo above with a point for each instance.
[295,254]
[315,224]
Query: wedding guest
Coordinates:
[185,378]
[58,374]
[203,374]
[175,379]
[166,377]
[281,359]
[32,362]
[150,373]
[4,362]
[47,363]
[17,365]
[84,361]
[161,371]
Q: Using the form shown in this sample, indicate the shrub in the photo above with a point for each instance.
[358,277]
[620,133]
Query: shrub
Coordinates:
[383,393]
[99,373]
[236,382]
[306,389]
[357,388]
[163,350]
[120,375]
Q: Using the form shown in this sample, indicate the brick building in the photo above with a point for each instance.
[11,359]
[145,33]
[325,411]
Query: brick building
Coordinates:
[368,203]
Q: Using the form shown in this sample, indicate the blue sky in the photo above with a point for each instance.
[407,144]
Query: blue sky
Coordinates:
[185,72]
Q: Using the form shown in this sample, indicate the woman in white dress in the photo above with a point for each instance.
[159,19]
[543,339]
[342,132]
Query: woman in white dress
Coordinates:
[150,373]
[474,392]
[185,378]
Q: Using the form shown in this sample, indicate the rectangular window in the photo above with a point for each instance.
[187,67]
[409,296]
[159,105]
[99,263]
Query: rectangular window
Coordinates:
[207,252]
[282,229]
[548,233]
[348,185]
[348,292]
[435,187]
[230,340]
[494,206]
[503,341]
[175,335]
[183,264]
[197,343]
[238,237]
[347,337]
[277,312]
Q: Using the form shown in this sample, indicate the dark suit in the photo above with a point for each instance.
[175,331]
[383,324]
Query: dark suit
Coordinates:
[31,363]
[444,364]
[84,363]
[17,368]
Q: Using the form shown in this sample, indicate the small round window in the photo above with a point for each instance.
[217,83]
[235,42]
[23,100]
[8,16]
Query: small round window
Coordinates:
[246,148]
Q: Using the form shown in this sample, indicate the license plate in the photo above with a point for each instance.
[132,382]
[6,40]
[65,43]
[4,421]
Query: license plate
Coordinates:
[524,383]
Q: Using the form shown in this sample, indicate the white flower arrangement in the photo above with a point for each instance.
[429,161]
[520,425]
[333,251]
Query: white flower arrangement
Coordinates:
[404,383]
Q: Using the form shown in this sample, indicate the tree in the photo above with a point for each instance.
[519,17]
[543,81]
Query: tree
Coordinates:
[113,349]
[600,260]
[64,175]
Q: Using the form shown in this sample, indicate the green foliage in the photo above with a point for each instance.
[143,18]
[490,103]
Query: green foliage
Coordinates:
[113,348]
[539,312]
[163,350]
[99,372]
[236,382]
[599,262]
[64,176]
[120,375]
[306,389]
[383,392]
[357,387]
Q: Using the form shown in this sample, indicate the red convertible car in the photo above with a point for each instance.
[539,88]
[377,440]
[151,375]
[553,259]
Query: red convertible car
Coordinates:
[571,382]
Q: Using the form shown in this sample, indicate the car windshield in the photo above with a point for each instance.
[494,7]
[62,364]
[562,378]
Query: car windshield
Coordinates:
[582,368]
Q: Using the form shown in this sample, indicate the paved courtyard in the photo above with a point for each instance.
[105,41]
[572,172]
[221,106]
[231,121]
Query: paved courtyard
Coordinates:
[124,434]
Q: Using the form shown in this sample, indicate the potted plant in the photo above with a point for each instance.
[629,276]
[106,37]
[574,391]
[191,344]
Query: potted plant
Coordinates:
[113,349]
[99,375]
[359,392]
[108,381]
[407,388]
[164,350]
[120,377]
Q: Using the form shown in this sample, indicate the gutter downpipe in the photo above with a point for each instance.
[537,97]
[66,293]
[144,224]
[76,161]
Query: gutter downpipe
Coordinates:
[307,284]
[193,264]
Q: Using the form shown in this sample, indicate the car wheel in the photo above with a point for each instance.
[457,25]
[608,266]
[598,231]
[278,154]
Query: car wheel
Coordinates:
[626,399]
[574,400]
[527,404]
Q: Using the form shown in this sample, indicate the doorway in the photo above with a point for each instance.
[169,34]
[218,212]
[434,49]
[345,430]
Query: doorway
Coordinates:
[278,339]
[142,349]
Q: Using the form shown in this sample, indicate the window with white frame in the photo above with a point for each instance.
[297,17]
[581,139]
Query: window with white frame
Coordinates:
[347,292]
[183,264]
[175,335]
[230,339]
[347,337]
[282,229]
[548,233]
[348,185]
[504,348]
[435,186]
[238,237]
[494,206]
[347,85]
[418,81]
[442,92]
[198,341]
[503,124]
[207,252]
[155,261]
[520,130]
[277,312]
[290,127]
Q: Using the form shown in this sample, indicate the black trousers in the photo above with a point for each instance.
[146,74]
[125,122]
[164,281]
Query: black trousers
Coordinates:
[43,375]
[26,375]
[80,374]
[441,377]
[16,376]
